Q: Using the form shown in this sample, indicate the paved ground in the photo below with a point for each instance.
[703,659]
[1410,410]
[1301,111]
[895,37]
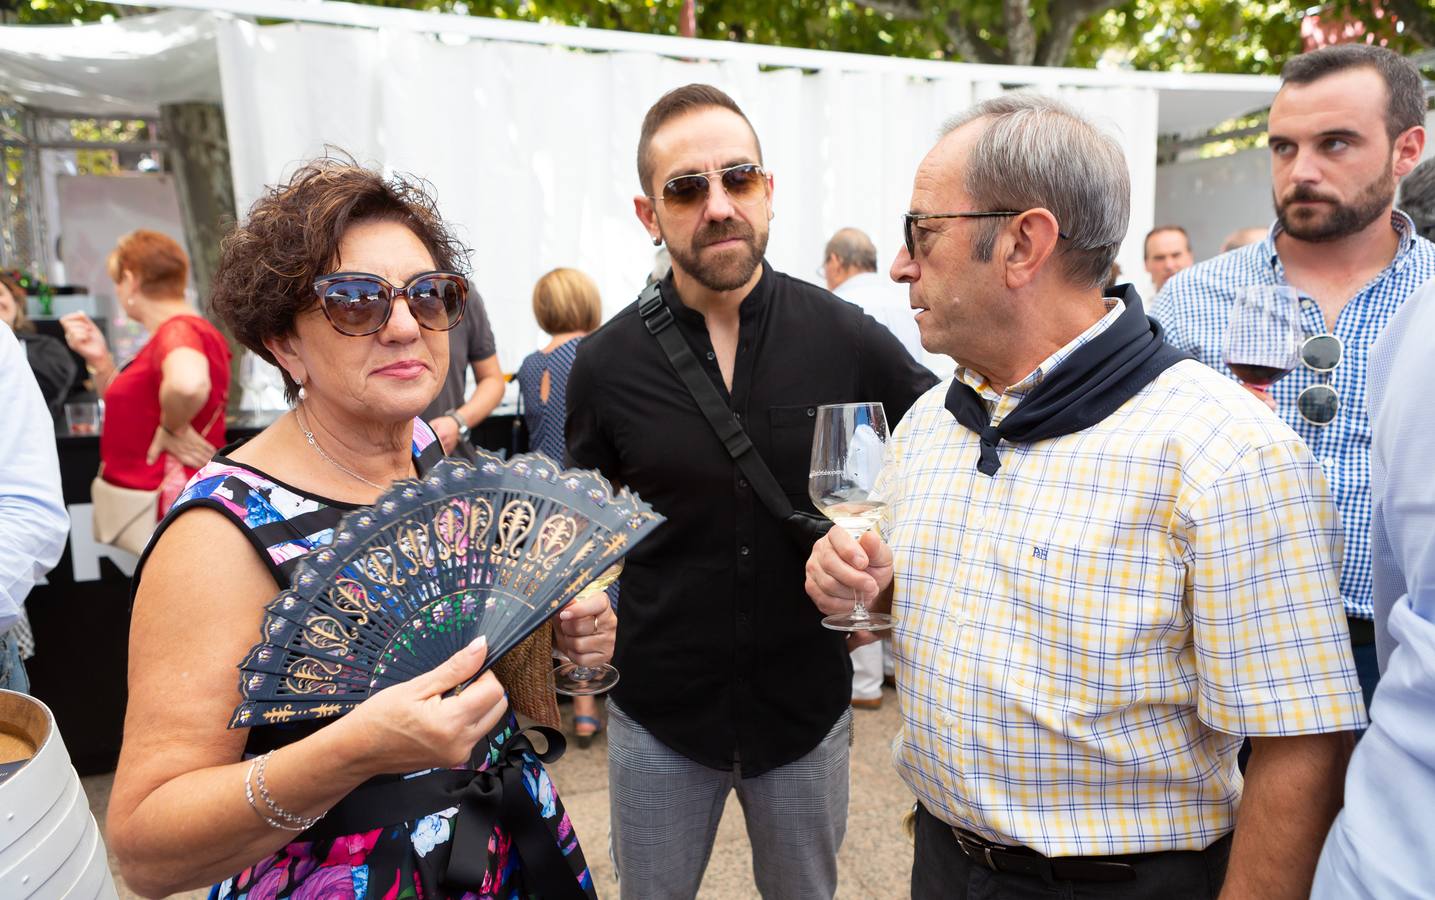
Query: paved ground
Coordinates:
[875,861]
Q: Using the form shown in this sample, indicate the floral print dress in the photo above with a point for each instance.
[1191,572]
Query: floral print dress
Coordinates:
[408,858]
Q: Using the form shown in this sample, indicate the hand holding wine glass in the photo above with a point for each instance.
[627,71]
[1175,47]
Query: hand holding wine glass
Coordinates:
[574,680]
[848,450]
[1264,335]
[840,567]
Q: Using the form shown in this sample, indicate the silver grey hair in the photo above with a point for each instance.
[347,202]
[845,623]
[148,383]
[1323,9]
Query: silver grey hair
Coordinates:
[1037,152]
[854,249]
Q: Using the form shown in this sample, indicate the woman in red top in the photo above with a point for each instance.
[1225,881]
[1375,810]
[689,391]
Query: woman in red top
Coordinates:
[164,411]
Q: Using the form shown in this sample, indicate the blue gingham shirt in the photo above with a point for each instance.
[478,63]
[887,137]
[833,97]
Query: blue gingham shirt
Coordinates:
[1194,307]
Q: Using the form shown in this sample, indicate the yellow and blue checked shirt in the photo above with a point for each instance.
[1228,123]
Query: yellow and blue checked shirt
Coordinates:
[1083,639]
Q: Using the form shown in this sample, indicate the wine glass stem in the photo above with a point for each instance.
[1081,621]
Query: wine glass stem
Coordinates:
[859,609]
[582,673]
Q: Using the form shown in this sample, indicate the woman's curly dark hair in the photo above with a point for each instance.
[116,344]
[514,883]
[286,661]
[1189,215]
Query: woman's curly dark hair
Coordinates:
[269,262]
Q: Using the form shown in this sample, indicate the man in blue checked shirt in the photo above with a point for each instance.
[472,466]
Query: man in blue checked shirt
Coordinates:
[1345,127]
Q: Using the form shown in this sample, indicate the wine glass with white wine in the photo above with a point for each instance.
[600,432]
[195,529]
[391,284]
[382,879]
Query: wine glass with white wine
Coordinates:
[573,680]
[849,444]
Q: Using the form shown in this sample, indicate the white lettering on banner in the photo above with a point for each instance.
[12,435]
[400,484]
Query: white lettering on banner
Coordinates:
[86,552]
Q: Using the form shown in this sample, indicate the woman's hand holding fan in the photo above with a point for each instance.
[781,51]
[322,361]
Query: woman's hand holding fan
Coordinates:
[422,723]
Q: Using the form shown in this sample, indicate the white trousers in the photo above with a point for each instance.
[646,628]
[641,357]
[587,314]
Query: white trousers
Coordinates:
[867,671]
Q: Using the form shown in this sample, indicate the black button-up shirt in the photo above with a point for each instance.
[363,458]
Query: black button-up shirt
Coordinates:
[722,655]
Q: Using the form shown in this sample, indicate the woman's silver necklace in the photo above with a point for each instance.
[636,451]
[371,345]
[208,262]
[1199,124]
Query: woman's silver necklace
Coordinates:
[304,427]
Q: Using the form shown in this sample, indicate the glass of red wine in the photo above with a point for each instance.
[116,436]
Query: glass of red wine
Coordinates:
[1264,335]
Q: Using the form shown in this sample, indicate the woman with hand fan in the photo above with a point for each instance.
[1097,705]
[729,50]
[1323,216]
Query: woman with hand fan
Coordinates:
[420,785]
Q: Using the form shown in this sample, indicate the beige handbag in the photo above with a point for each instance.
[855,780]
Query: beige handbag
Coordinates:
[123,517]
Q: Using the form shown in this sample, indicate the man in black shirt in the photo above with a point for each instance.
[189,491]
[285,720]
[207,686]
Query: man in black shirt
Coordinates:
[729,680]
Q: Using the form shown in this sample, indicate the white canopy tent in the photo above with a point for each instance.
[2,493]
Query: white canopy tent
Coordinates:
[115,69]
[528,132]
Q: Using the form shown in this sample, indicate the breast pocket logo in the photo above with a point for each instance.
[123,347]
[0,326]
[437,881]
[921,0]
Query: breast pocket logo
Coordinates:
[1038,552]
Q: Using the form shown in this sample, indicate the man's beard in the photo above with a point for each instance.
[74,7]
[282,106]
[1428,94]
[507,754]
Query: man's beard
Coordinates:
[1341,219]
[733,270]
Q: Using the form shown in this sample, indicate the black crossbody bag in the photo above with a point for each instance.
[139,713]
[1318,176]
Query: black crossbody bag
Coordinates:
[803,527]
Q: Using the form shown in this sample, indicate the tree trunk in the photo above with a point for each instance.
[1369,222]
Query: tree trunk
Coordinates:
[1066,18]
[199,147]
[1020,33]
[199,158]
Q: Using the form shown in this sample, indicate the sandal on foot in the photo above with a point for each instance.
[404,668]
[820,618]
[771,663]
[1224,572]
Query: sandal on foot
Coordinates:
[584,740]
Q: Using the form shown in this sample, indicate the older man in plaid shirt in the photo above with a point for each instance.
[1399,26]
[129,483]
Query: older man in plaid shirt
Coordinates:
[1346,126]
[1108,563]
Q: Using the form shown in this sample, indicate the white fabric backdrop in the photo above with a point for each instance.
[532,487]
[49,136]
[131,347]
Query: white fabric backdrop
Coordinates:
[531,149]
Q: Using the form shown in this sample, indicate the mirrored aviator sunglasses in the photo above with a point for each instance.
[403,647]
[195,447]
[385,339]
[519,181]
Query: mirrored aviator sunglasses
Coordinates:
[359,304]
[743,184]
[1319,403]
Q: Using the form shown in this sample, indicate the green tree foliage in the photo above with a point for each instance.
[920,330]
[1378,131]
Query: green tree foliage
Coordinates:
[1253,37]
[59,12]
[842,25]
[1250,36]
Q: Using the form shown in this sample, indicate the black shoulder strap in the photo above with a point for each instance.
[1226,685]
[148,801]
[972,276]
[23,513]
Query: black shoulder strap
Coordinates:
[659,320]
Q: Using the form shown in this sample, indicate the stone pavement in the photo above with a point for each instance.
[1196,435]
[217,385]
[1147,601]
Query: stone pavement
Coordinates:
[876,857]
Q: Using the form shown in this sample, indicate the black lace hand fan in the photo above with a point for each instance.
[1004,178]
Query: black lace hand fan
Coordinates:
[464,551]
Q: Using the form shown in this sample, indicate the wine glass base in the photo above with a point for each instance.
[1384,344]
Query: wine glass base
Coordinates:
[849,622]
[567,682]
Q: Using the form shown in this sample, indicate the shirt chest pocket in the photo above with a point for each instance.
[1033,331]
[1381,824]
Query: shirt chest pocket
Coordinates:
[1083,626]
[790,430]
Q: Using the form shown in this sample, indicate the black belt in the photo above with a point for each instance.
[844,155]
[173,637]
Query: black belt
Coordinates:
[1025,861]
[484,799]
[1362,631]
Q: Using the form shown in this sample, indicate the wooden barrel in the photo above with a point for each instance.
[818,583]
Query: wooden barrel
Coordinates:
[50,845]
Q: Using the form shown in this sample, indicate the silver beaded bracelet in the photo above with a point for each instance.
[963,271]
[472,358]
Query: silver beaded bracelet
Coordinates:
[249,795]
[286,820]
